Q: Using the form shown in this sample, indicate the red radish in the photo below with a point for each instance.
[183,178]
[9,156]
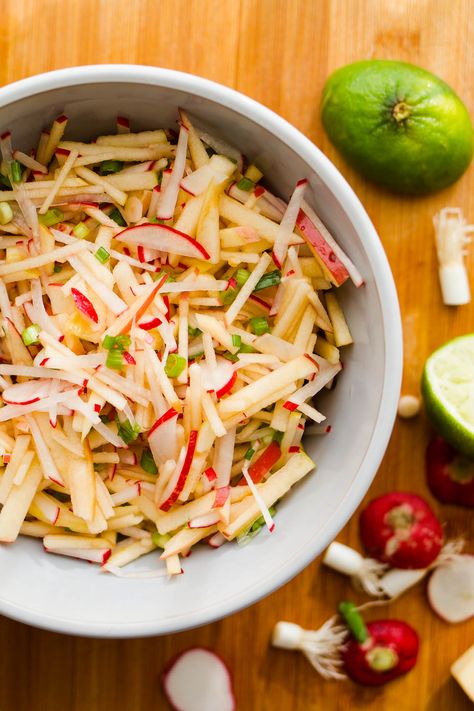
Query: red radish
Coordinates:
[221,378]
[401,529]
[451,589]
[164,238]
[198,680]
[162,437]
[210,474]
[26,393]
[150,323]
[264,463]
[84,305]
[450,475]
[260,302]
[222,494]
[217,540]
[170,496]
[206,520]
[389,651]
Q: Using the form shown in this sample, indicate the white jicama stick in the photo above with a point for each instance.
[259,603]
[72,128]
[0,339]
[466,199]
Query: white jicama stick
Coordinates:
[258,499]
[198,152]
[63,173]
[54,138]
[90,177]
[23,468]
[110,298]
[60,254]
[287,224]
[169,195]
[244,293]
[133,550]
[212,415]
[223,456]
[273,489]
[45,459]
[185,539]
[29,162]
[17,504]
[143,139]
[183,313]
[210,325]
[19,451]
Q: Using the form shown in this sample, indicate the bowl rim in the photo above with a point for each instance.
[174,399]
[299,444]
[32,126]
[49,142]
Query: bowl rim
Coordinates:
[384,282]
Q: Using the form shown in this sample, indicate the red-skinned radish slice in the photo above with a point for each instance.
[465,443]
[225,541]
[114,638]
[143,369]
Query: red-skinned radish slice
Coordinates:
[169,195]
[450,475]
[264,463]
[400,529]
[220,379]
[217,540]
[84,305]
[27,393]
[177,484]
[198,680]
[287,224]
[222,494]
[164,238]
[162,437]
[100,556]
[206,520]
[451,589]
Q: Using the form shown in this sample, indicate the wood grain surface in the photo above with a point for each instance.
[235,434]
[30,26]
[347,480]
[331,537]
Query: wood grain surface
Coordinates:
[279,52]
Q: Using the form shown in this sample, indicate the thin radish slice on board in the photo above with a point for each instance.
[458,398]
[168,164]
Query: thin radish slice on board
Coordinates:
[221,378]
[451,589]
[198,680]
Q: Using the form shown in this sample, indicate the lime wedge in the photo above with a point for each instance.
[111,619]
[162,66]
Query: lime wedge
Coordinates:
[448,390]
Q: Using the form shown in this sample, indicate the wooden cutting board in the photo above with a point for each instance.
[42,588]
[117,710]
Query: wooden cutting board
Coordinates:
[279,52]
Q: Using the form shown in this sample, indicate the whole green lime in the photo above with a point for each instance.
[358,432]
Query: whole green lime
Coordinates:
[398,125]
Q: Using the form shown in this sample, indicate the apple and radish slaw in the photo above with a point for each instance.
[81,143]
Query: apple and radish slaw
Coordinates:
[166,323]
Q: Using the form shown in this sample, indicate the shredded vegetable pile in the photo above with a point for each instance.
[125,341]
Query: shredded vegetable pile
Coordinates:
[166,323]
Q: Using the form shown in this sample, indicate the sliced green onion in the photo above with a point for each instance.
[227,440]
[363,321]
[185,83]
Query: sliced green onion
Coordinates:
[147,462]
[259,325]
[230,356]
[257,525]
[104,418]
[127,432]
[119,343]
[6,213]
[110,166]
[160,539]
[16,171]
[249,453]
[175,364]
[245,348]
[228,296]
[245,184]
[102,255]
[195,356]
[57,267]
[115,359]
[353,620]
[277,436]
[116,216]
[29,335]
[52,217]
[81,230]
[156,276]
[236,340]
[269,279]
[241,276]
[193,332]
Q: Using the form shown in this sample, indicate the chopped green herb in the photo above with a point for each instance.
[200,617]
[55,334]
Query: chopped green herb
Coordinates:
[110,166]
[127,432]
[195,356]
[16,171]
[236,340]
[249,453]
[81,230]
[245,348]
[29,335]
[193,332]
[269,279]
[156,221]
[102,255]
[241,276]
[116,216]
[104,418]
[259,325]
[57,267]
[245,184]
[175,364]
[277,436]
[52,217]
[115,359]
[230,356]
[5,183]
[147,462]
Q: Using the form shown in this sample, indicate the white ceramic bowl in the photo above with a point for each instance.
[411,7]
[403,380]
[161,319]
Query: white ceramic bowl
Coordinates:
[74,597]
